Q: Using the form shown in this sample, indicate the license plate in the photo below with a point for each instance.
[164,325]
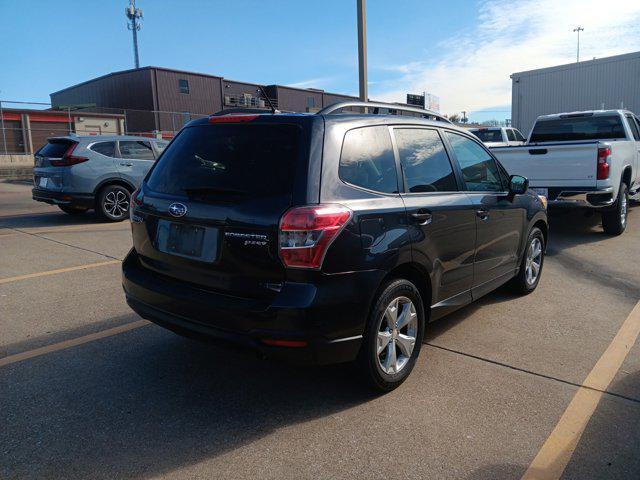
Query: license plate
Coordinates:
[541,191]
[191,241]
[43,182]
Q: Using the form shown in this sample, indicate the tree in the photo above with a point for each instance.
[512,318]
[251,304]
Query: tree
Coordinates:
[454,118]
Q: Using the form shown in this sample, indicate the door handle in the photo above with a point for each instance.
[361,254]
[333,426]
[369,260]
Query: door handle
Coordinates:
[483,214]
[422,217]
[124,164]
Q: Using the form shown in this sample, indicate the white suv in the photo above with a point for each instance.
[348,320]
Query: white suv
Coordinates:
[499,136]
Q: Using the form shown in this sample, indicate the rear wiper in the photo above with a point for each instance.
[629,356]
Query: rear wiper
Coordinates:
[210,190]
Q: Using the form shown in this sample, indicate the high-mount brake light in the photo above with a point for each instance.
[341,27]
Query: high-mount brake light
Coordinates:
[232,118]
[603,164]
[68,158]
[306,233]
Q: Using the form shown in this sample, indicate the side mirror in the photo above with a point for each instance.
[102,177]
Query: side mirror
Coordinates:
[518,184]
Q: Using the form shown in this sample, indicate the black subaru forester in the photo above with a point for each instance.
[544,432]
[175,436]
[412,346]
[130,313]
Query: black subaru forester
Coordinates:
[328,237]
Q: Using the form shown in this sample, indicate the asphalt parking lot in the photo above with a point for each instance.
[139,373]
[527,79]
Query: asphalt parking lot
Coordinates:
[501,388]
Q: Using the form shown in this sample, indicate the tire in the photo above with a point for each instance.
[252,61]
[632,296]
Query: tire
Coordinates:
[379,370]
[72,210]
[113,203]
[614,221]
[527,279]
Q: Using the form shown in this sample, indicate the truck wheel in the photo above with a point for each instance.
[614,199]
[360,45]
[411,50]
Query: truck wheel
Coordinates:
[393,335]
[531,266]
[113,203]
[614,221]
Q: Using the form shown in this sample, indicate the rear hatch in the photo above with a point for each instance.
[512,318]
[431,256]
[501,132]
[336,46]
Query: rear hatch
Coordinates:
[209,211]
[46,173]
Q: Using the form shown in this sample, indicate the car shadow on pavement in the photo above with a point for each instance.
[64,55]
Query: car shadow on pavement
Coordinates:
[572,227]
[438,327]
[48,219]
[608,448]
[148,402]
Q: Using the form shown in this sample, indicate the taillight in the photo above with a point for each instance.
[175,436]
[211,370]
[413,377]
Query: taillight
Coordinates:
[68,158]
[232,118]
[137,197]
[307,232]
[603,164]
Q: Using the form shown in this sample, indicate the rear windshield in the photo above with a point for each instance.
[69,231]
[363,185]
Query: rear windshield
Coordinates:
[578,128]
[55,148]
[488,135]
[212,160]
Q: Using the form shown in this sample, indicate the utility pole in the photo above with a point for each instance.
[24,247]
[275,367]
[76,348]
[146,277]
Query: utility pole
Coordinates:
[362,49]
[578,29]
[134,15]
[464,116]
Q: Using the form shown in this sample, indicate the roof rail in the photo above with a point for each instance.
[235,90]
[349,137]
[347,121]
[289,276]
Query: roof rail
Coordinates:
[377,106]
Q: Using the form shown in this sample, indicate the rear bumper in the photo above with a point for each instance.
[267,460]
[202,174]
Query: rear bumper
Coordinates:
[568,197]
[320,323]
[82,200]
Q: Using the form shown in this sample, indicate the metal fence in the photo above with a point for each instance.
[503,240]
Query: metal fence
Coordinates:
[25,126]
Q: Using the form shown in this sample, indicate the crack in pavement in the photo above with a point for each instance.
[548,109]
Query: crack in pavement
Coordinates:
[531,372]
[66,244]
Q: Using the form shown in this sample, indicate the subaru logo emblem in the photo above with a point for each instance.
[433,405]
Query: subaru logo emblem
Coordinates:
[178,209]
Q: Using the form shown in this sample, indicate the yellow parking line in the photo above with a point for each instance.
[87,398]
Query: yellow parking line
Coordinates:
[556,452]
[18,357]
[59,270]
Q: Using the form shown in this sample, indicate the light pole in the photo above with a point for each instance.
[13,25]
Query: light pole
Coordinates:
[362,49]
[578,29]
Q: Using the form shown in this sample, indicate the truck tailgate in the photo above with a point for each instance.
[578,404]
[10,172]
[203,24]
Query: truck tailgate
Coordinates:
[557,165]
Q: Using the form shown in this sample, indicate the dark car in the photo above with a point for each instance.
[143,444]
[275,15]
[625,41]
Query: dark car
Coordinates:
[328,237]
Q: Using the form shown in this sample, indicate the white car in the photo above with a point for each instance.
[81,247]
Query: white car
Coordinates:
[587,159]
[498,136]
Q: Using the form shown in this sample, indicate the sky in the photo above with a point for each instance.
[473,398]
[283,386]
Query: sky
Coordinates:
[463,51]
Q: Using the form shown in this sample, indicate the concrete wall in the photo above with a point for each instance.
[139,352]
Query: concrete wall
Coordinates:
[16,166]
[609,83]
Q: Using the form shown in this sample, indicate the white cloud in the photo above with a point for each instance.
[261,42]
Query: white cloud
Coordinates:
[472,72]
[313,82]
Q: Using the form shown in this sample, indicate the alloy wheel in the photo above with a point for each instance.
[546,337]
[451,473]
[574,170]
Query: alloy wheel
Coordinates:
[623,210]
[116,203]
[397,330]
[534,261]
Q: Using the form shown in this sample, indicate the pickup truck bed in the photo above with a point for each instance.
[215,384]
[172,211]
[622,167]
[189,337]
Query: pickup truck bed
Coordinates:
[566,173]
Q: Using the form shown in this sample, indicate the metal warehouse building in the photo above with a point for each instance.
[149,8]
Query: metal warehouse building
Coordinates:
[610,82]
[162,100]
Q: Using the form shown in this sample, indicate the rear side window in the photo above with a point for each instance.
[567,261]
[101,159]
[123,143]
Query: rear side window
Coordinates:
[55,148]
[519,136]
[425,162]
[633,127]
[511,136]
[136,150]
[479,169]
[487,135]
[578,128]
[160,146]
[105,148]
[367,160]
[209,161]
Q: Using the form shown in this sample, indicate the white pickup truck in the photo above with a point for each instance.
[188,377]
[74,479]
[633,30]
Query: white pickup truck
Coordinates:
[587,159]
